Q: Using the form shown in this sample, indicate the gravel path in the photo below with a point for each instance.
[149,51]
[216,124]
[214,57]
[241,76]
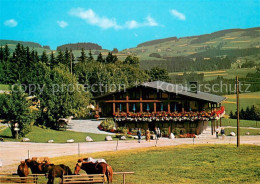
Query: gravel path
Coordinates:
[90,126]
[12,152]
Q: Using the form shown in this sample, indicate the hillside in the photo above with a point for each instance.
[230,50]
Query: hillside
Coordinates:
[225,42]
[239,45]
[32,45]
[79,46]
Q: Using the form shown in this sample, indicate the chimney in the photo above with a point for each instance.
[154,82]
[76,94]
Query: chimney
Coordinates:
[194,87]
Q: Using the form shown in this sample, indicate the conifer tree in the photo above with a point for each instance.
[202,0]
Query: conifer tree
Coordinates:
[83,57]
[53,61]
[60,57]
[100,58]
[1,54]
[44,58]
[90,56]
[66,60]
[6,53]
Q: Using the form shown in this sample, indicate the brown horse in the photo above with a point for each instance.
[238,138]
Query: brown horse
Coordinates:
[23,169]
[55,171]
[95,168]
[35,167]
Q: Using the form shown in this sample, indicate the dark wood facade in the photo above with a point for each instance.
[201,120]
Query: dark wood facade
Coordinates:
[142,99]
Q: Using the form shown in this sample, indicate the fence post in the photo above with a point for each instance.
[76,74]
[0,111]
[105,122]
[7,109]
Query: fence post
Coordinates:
[117,144]
[78,150]
[123,178]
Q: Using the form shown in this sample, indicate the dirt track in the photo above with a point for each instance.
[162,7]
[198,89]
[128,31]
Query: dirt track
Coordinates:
[12,152]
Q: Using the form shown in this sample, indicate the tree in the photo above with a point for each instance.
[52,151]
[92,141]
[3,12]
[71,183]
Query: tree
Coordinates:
[6,53]
[66,60]
[53,60]
[100,58]
[115,50]
[111,58]
[61,96]
[160,74]
[44,58]
[1,54]
[16,110]
[132,60]
[60,58]
[90,56]
[83,57]
[72,59]
[156,55]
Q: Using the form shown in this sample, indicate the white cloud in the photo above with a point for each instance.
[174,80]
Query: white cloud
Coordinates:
[149,22]
[178,14]
[62,24]
[105,23]
[11,23]
[92,18]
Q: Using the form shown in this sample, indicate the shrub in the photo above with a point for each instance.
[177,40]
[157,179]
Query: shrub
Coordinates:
[108,124]
[122,130]
[179,131]
[156,55]
[165,132]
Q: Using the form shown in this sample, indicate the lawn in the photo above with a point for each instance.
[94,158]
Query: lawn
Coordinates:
[243,123]
[182,164]
[41,135]
[4,87]
[228,74]
[242,131]
[245,100]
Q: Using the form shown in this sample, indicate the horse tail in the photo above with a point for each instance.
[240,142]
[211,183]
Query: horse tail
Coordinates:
[109,174]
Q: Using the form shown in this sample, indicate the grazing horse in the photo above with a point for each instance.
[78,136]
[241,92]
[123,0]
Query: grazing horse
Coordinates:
[55,171]
[23,169]
[35,167]
[95,168]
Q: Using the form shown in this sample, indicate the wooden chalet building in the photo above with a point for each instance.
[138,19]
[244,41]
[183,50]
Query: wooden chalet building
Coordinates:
[164,105]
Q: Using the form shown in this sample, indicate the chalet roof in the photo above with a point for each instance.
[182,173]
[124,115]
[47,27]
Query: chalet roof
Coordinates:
[181,90]
[177,89]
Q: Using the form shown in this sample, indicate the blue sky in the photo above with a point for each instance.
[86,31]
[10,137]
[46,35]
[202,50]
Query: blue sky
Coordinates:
[120,24]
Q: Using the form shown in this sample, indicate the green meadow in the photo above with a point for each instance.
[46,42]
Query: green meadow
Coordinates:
[181,164]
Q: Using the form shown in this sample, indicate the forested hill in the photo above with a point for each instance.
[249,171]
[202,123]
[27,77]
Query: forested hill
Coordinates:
[25,44]
[202,52]
[230,39]
[79,46]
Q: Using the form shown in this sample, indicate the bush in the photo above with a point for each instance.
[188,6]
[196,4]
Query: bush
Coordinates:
[122,130]
[108,124]
[179,131]
[156,55]
[165,132]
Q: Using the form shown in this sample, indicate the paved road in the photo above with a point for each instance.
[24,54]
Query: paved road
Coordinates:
[12,152]
[89,126]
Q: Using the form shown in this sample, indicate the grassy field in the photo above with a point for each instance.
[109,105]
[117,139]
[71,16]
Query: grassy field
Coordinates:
[243,131]
[245,99]
[41,135]
[228,74]
[182,164]
[243,123]
[185,46]
[4,87]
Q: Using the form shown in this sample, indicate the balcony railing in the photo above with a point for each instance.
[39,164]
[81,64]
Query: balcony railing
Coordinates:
[170,116]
